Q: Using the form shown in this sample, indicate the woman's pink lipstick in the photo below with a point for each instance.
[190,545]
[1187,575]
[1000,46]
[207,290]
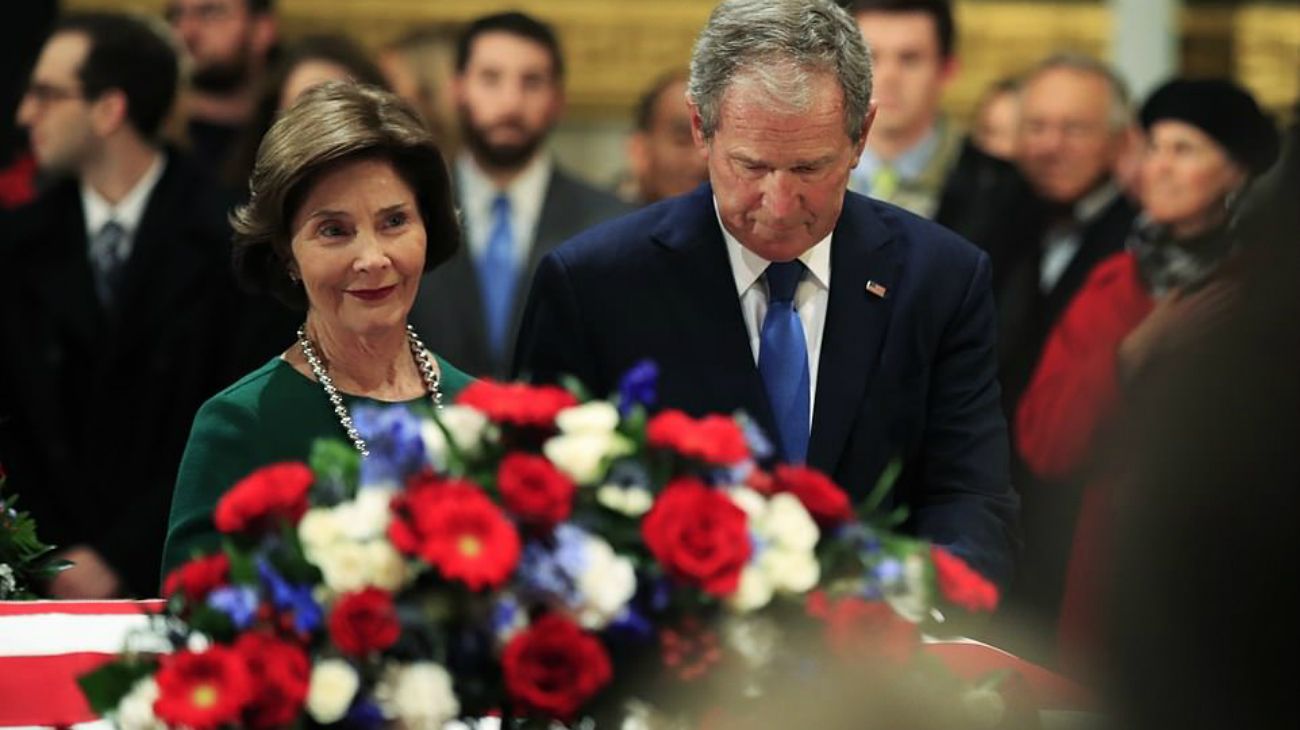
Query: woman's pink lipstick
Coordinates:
[372,295]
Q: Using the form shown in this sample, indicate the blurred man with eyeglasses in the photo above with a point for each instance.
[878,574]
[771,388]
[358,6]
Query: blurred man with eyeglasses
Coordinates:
[115,305]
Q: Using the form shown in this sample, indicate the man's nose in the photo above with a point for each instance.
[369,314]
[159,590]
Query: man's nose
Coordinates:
[781,194]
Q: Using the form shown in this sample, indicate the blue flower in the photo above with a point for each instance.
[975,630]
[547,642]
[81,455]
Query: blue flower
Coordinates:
[364,713]
[392,435]
[286,596]
[760,446]
[553,570]
[638,387]
[237,602]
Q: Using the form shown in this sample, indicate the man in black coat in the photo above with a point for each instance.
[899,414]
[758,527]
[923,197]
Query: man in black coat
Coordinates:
[117,294]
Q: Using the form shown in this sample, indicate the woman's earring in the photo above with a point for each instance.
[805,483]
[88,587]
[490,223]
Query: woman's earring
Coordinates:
[293,276]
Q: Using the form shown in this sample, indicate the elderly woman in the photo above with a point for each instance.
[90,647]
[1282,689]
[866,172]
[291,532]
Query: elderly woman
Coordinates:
[350,205]
[1206,140]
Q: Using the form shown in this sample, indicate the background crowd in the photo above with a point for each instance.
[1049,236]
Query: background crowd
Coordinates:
[1131,241]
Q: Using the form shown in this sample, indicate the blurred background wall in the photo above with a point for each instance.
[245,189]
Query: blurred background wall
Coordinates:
[616,48]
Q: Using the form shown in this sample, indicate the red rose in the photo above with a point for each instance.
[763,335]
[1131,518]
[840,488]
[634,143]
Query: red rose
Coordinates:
[281,674]
[202,690]
[517,404]
[534,490]
[455,528]
[712,439]
[364,621]
[699,535]
[857,628]
[960,584]
[824,500]
[264,498]
[553,667]
[199,577]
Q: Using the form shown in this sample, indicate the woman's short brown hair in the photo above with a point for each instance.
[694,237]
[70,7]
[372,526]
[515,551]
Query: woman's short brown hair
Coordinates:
[332,123]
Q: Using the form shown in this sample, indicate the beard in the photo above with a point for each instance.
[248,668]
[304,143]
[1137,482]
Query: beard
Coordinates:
[223,77]
[510,156]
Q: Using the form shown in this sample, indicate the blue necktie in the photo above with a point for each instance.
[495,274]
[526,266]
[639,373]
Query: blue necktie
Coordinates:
[106,259]
[496,277]
[783,360]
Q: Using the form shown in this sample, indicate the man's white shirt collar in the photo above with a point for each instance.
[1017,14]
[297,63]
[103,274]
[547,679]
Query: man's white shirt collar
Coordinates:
[527,194]
[747,267]
[129,210]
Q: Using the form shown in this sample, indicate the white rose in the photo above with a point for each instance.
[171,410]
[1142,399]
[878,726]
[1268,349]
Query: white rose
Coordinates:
[345,566]
[597,416]
[135,711]
[318,529]
[329,694]
[581,455]
[423,698]
[630,501]
[753,503]
[790,571]
[385,567]
[754,591]
[367,516]
[984,707]
[788,524]
[467,426]
[755,638]
[606,585]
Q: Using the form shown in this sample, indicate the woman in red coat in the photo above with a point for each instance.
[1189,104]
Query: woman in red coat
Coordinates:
[1205,141]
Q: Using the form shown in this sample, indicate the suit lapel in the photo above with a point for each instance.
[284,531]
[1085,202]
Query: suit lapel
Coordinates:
[703,296]
[63,279]
[857,320]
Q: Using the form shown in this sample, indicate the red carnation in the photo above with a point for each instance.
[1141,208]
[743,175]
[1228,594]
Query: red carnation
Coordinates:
[455,528]
[857,628]
[960,584]
[554,667]
[264,498]
[712,439]
[517,404]
[534,490]
[364,621]
[202,690]
[197,578]
[699,535]
[824,500]
[281,674]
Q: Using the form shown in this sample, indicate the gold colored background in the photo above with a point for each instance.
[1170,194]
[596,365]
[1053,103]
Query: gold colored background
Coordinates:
[616,47]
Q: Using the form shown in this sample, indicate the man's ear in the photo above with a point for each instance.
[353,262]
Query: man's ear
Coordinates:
[263,34]
[108,112]
[867,121]
[697,129]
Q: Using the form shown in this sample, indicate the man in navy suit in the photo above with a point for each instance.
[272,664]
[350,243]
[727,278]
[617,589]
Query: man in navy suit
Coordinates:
[854,332]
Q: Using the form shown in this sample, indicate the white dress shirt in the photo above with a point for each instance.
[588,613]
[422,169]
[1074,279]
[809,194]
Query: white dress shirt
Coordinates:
[128,211]
[1061,243]
[527,194]
[811,297]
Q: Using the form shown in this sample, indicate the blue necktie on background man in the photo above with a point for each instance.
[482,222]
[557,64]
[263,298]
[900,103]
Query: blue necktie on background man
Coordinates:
[497,274]
[783,360]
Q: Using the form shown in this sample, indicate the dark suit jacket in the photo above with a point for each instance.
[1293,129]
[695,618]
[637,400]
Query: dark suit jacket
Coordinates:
[95,407]
[448,312]
[911,375]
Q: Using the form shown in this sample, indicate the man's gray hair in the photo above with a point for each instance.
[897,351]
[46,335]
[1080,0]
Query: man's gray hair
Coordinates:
[1120,115]
[779,45]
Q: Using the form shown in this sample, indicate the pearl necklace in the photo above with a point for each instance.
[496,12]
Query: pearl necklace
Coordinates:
[423,360]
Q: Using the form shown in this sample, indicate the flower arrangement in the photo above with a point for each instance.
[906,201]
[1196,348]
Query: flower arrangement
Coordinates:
[527,555]
[25,562]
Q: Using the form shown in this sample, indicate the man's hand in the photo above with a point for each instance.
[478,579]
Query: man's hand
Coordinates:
[90,578]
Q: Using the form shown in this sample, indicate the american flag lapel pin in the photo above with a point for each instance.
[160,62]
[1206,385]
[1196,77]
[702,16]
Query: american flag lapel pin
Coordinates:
[877,289]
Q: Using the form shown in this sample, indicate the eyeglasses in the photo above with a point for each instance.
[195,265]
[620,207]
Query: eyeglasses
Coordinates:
[48,93]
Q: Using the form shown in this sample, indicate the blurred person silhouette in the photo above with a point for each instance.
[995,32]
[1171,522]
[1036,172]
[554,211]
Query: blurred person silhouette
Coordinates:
[1206,141]
[115,309]
[997,119]
[661,153]
[516,203]
[20,41]
[1199,627]
[419,67]
[229,46]
[913,146]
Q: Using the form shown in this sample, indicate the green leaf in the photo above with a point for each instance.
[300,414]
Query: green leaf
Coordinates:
[337,466]
[883,486]
[105,687]
[575,386]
